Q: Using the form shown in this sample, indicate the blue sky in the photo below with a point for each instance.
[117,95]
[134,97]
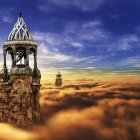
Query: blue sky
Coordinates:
[96,34]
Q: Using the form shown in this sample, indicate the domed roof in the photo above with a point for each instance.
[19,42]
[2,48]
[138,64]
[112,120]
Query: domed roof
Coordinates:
[20,31]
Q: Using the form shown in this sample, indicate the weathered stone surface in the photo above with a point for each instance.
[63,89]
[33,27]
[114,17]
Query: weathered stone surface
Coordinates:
[20,106]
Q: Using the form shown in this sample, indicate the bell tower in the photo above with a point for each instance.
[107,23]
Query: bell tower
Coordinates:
[58,81]
[20,84]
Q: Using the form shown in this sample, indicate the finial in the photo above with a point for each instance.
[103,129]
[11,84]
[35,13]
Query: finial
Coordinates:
[20,14]
[58,73]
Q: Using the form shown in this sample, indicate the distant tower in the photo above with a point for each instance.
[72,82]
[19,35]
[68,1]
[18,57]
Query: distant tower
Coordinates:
[19,87]
[58,81]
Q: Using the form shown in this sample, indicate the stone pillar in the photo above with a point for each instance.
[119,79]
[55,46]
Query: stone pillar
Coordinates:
[5,58]
[35,60]
[5,71]
[35,65]
[14,56]
[27,57]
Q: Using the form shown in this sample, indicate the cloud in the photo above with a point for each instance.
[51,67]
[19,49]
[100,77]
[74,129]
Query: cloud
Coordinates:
[128,42]
[137,65]
[91,109]
[68,48]
[82,95]
[74,34]
[85,109]
[87,31]
[7,19]
[130,61]
[83,36]
[57,47]
[10,132]
[45,54]
[77,44]
[71,45]
[5,14]
[117,16]
[89,5]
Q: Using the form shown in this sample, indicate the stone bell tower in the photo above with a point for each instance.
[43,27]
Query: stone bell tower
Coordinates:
[58,81]
[19,86]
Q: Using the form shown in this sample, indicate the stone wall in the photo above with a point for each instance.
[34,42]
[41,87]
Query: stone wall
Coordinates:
[58,82]
[18,104]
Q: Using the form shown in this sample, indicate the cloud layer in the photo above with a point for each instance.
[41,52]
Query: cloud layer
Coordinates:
[90,5]
[86,109]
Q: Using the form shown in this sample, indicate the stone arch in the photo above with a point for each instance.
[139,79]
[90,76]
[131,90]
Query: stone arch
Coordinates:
[9,49]
[33,50]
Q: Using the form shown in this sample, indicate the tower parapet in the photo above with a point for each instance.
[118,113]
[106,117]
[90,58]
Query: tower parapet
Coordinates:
[20,86]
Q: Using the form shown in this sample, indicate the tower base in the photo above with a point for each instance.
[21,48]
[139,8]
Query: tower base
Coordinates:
[19,104]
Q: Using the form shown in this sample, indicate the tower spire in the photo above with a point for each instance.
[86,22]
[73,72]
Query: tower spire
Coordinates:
[20,14]
[20,31]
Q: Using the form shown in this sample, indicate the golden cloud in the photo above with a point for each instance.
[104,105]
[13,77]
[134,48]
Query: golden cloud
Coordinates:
[87,110]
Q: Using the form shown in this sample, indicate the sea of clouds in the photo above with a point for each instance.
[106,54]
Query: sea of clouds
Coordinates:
[84,110]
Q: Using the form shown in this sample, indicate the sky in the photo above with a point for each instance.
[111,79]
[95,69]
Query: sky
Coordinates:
[79,37]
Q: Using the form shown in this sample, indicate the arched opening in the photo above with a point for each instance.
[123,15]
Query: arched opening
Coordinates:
[21,56]
[9,59]
[33,59]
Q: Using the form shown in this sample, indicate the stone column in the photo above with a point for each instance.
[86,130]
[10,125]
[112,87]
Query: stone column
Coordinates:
[14,55]
[27,57]
[35,60]
[4,54]
[35,65]
[5,71]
